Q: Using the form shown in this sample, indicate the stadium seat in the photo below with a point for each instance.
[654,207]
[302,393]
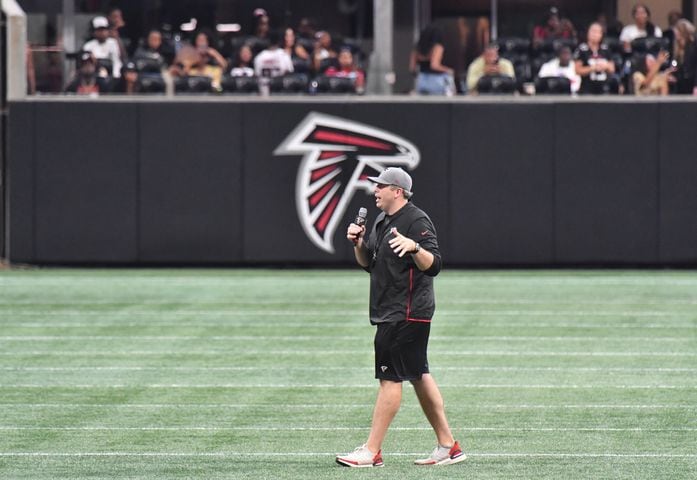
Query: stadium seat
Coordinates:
[325,63]
[327,84]
[240,84]
[148,65]
[553,86]
[513,46]
[192,84]
[496,84]
[301,65]
[650,45]
[292,83]
[105,63]
[613,44]
[151,83]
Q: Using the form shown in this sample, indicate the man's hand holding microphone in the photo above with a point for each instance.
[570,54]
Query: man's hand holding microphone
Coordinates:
[356,230]
[355,234]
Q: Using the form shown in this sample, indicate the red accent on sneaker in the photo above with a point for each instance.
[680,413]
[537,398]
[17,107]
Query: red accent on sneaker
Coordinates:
[377,459]
[455,451]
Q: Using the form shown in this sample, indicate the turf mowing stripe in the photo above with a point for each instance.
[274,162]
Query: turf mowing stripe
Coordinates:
[344,313]
[362,325]
[329,386]
[478,407]
[250,338]
[317,454]
[342,369]
[484,353]
[338,301]
[326,429]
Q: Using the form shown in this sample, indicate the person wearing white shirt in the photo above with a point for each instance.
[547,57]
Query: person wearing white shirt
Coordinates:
[562,66]
[273,61]
[102,46]
[642,27]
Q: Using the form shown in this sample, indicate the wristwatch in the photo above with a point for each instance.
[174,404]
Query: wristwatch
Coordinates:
[417,249]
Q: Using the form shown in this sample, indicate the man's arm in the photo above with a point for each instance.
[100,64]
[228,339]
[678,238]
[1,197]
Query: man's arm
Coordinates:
[402,245]
[355,234]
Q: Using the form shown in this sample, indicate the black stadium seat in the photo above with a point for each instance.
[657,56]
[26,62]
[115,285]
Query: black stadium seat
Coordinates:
[553,86]
[335,84]
[148,65]
[151,83]
[650,45]
[496,84]
[192,84]
[292,83]
[240,84]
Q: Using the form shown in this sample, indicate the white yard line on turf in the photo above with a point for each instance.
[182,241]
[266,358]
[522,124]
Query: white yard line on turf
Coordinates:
[250,338]
[192,353]
[338,428]
[357,325]
[340,386]
[311,406]
[9,312]
[124,302]
[338,368]
[323,454]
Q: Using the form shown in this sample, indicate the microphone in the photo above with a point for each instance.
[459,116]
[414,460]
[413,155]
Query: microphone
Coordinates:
[360,221]
[360,218]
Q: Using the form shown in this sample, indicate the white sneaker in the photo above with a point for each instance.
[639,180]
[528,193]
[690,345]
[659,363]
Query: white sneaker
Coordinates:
[360,457]
[444,456]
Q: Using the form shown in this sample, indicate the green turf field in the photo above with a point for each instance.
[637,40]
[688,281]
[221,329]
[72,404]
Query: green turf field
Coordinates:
[257,374]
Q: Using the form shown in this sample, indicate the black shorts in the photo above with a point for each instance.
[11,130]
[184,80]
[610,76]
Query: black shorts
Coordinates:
[400,350]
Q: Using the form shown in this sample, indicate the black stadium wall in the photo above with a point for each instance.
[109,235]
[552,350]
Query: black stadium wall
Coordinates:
[216,181]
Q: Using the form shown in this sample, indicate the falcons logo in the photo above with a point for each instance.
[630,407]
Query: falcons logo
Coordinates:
[338,157]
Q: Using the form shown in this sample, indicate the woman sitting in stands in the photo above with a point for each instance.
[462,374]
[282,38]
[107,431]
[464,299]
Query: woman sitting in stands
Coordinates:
[649,79]
[347,69]
[426,61]
[594,64]
[685,57]
[296,52]
[242,66]
[642,27]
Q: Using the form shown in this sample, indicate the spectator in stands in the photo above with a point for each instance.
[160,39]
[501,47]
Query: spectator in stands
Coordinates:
[562,66]
[86,81]
[242,65]
[296,52]
[103,47]
[212,57]
[549,29]
[611,26]
[273,61]
[347,69]
[261,26]
[669,33]
[116,23]
[594,64]
[306,29]
[642,27]
[324,50]
[648,79]
[553,28]
[426,62]
[685,57]
[190,62]
[128,83]
[153,50]
[488,64]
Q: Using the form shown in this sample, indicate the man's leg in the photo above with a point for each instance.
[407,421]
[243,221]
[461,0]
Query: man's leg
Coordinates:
[386,407]
[432,404]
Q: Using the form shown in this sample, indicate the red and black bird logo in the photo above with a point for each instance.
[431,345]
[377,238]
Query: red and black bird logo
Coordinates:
[338,157]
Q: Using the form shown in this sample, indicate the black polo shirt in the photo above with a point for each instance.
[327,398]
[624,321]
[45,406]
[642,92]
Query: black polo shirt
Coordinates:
[399,291]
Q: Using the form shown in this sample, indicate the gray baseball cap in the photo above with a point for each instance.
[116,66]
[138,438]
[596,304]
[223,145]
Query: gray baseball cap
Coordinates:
[394,176]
